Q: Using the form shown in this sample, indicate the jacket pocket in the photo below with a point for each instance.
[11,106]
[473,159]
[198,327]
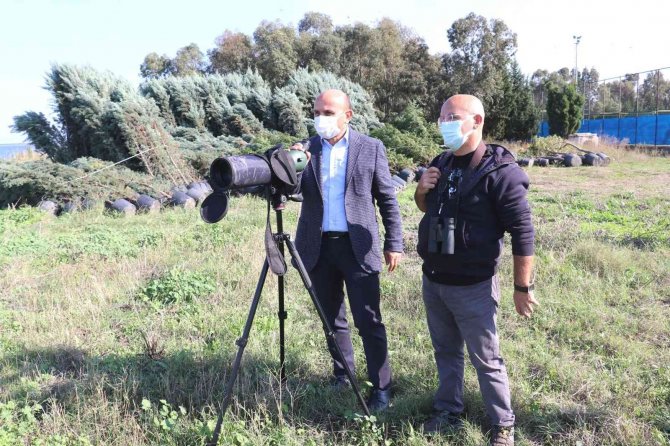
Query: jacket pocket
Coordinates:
[422,243]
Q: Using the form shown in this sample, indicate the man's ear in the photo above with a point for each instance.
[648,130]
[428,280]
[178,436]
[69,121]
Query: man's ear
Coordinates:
[479,120]
[349,114]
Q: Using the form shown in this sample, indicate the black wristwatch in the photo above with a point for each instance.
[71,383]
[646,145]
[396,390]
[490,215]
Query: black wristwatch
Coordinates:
[524,289]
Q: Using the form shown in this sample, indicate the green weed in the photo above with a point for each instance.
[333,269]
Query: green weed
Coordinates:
[176,287]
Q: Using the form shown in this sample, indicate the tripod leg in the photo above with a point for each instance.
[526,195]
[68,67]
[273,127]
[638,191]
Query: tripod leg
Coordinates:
[281,313]
[241,344]
[329,330]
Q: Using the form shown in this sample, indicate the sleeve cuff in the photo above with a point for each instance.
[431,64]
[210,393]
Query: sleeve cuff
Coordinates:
[393,247]
[523,250]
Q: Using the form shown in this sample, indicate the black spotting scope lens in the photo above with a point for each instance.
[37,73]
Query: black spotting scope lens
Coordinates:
[221,173]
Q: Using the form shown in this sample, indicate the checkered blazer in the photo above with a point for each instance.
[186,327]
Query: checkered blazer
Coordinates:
[367,180]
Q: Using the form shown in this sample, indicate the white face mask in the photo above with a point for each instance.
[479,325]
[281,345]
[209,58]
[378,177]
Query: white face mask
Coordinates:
[326,126]
[452,135]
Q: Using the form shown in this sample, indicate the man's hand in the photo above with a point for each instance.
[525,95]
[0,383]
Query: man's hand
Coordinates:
[524,303]
[428,180]
[392,259]
[299,146]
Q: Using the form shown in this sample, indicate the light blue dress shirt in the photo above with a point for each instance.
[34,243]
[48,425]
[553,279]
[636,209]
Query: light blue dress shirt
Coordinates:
[333,176]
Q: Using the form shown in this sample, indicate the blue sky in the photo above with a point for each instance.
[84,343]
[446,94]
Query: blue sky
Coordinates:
[115,35]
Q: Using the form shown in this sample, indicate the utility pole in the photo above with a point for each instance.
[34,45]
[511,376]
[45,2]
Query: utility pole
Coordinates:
[577,39]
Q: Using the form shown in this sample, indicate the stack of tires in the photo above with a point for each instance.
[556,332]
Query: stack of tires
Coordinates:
[402,179]
[567,160]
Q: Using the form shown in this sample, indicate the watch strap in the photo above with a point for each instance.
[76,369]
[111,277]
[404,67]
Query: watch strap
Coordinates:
[524,289]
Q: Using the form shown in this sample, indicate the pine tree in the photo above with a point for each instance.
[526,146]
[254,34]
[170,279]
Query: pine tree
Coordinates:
[46,137]
[564,109]
[287,112]
[524,116]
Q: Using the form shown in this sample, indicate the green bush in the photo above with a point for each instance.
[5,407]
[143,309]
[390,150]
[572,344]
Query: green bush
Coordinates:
[102,116]
[175,287]
[260,143]
[30,182]
[565,109]
[411,120]
[420,150]
[398,161]
[544,145]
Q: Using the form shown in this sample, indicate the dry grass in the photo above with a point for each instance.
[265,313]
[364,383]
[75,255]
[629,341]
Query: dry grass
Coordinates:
[630,172]
[28,155]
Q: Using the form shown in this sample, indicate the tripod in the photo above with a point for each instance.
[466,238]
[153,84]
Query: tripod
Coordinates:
[280,238]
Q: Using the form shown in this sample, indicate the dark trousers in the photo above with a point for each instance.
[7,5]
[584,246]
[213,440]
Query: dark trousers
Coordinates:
[337,266]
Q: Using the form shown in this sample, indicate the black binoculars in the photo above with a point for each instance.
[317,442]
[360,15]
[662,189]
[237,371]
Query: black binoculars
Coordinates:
[441,235]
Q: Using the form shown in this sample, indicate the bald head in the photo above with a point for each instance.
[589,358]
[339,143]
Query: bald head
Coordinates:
[334,97]
[465,103]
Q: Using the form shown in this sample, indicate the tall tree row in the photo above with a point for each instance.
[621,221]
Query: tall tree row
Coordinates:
[630,93]
[388,60]
[482,63]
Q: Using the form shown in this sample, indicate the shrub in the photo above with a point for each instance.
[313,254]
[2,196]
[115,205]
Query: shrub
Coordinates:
[419,150]
[411,120]
[565,109]
[175,287]
[398,161]
[30,182]
[543,146]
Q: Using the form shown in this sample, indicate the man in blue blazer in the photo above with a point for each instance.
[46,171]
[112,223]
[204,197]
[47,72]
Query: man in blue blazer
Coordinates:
[338,235]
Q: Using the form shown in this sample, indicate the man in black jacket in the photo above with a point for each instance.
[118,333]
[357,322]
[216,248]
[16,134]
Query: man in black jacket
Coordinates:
[472,193]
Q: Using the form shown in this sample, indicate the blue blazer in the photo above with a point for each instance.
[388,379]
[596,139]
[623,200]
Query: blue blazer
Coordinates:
[368,179]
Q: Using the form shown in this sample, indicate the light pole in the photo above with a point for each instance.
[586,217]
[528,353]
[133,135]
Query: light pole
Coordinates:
[577,39]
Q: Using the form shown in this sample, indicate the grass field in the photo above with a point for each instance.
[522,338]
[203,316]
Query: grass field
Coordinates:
[121,331]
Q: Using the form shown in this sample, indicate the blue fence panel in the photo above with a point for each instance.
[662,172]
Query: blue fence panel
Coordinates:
[544,129]
[611,127]
[643,129]
[663,130]
[628,127]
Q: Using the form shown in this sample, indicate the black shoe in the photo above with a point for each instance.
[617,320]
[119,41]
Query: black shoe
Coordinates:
[442,422]
[340,382]
[502,436]
[379,400]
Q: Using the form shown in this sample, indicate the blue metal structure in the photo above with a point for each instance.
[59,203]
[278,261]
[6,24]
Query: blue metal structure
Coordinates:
[646,129]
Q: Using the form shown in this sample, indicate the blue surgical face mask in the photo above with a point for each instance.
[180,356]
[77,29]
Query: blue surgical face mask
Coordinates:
[452,135]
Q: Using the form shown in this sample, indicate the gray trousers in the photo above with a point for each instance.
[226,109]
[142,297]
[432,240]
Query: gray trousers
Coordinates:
[467,314]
